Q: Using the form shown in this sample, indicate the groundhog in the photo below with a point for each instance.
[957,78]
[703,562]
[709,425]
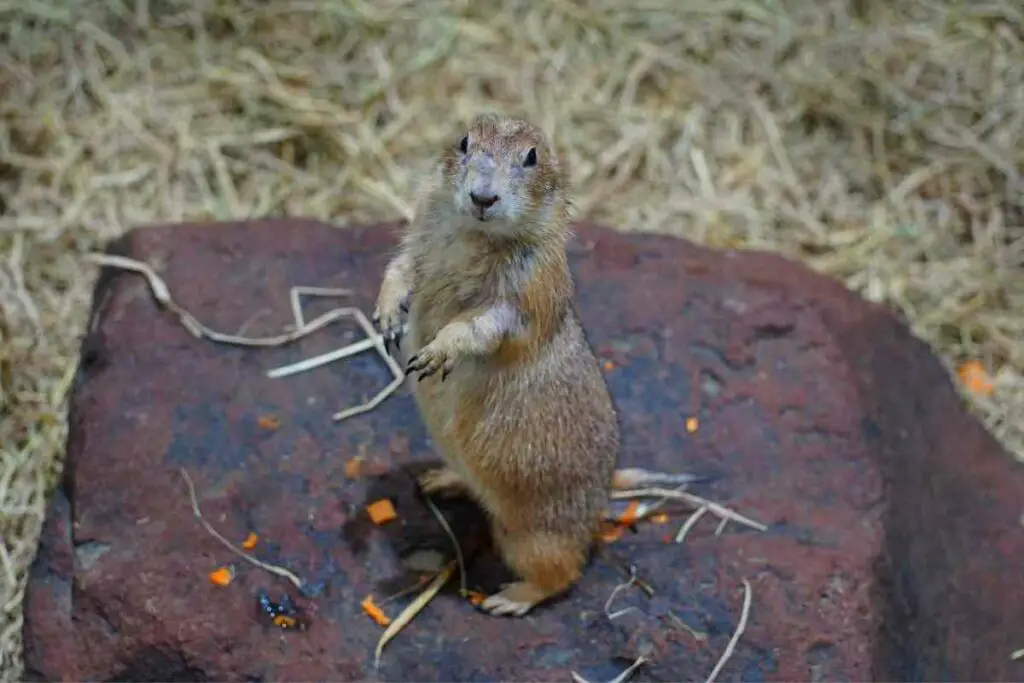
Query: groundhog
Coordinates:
[506,383]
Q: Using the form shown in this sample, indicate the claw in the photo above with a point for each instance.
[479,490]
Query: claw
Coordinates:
[393,338]
[445,372]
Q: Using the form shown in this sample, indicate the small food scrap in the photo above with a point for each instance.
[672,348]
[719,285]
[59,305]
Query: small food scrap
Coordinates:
[269,422]
[375,613]
[250,541]
[222,576]
[975,378]
[381,511]
[660,518]
[610,532]
[475,598]
[629,517]
[285,621]
[608,365]
[354,468]
[284,615]
[691,424]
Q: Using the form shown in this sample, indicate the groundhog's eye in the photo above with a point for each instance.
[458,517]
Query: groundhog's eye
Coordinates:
[531,158]
[464,144]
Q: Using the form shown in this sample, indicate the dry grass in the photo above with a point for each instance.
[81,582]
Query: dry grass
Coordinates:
[880,142]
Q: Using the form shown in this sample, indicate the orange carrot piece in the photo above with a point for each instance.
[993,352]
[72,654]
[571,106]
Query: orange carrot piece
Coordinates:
[222,576]
[975,378]
[381,511]
[269,422]
[375,613]
[660,518]
[353,468]
[609,532]
[284,621]
[250,541]
[692,424]
[475,598]
[629,516]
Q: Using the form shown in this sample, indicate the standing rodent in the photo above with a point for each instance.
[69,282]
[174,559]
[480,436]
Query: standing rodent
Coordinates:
[508,387]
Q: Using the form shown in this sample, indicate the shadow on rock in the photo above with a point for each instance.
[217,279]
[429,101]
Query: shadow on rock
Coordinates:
[417,536]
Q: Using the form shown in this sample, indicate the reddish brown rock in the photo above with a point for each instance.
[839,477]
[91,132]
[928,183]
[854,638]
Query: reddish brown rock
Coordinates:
[894,552]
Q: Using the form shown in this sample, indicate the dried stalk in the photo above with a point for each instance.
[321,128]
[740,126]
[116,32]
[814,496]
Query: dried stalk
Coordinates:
[414,608]
[696,501]
[740,627]
[266,566]
[161,292]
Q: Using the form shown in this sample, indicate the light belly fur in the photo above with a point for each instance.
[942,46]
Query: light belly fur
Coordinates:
[437,402]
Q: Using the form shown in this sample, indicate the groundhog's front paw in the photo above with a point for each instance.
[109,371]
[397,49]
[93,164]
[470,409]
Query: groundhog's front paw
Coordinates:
[392,304]
[431,358]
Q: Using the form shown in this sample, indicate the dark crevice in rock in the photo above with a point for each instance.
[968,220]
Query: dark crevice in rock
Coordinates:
[157,665]
[772,331]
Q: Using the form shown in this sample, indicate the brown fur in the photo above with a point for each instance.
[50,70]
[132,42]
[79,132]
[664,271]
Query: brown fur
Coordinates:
[510,391]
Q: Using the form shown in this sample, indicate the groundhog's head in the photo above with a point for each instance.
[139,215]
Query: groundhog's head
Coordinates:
[505,175]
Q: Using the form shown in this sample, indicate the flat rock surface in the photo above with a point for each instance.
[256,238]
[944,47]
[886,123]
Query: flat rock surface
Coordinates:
[894,548]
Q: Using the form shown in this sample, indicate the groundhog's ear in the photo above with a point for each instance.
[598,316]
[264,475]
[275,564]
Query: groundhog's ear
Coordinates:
[459,131]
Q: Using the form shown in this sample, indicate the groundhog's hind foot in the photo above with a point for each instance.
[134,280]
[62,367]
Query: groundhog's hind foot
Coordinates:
[443,481]
[515,599]
[548,564]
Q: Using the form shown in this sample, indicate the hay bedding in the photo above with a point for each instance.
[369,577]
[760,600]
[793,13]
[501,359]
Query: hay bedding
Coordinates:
[881,142]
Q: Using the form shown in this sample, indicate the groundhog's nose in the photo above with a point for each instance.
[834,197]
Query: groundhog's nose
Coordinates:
[484,202]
